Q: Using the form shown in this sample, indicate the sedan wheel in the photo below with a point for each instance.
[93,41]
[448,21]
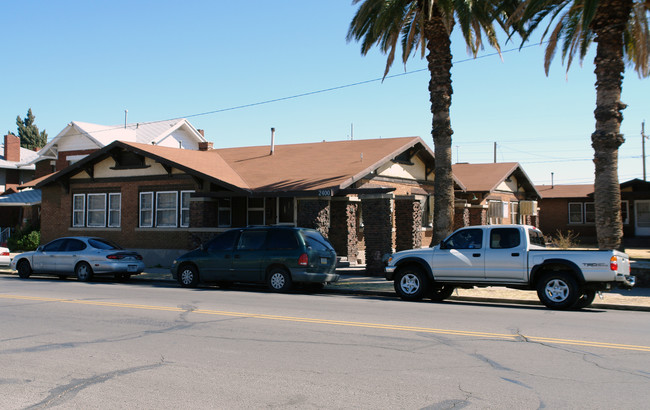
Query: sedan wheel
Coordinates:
[83,271]
[24,269]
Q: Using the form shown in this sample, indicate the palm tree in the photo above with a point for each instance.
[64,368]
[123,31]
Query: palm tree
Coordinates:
[620,28]
[428,24]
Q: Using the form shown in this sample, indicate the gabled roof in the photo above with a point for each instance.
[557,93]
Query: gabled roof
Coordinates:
[314,166]
[487,177]
[102,135]
[565,191]
[295,167]
[26,155]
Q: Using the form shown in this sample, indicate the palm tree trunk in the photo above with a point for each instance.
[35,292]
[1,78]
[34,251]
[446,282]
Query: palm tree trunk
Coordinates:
[440,90]
[608,24]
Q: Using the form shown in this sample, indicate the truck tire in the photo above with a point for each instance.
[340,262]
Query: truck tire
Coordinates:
[558,290]
[586,298]
[411,283]
[441,292]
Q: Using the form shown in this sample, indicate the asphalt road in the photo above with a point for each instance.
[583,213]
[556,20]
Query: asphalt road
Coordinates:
[66,344]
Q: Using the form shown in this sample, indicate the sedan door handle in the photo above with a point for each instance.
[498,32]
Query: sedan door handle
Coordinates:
[476,255]
[515,254]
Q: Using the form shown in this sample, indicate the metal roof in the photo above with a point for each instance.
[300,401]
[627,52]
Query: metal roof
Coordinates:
[22,198]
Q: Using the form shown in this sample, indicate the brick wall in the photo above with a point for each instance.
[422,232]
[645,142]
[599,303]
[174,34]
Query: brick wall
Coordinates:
[408,224]
[314,214]
[343,229]
[378,232]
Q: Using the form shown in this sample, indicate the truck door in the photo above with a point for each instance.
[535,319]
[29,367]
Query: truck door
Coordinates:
[506,255]
[461,256]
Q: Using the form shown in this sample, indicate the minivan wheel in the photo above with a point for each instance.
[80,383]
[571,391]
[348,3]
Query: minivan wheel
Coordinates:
[279,280]
[24,269]
[188,276]
[83,271]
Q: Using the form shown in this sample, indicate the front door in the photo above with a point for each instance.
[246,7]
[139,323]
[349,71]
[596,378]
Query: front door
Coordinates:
[45,260]
[642,218]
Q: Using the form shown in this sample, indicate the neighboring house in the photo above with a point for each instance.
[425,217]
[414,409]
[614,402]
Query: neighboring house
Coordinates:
[571,208]
[494,193]
[14,171]
[78,139]
[367,196]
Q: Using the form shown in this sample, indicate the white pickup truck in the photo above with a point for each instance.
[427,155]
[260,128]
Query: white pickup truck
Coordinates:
[512,256]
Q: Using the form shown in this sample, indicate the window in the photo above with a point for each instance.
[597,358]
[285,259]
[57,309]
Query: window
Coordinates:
[146,209]
[625,212]
[96,215]
[514,212]
[185,208]
[255,211]
[224,213]
[223,242]
[465,239]
[575,212]
[73,245]
[316,241]
[285,211]
[590,213]
[54,246]
[114,210]
[78,209]
[536,237]
[504,238]
[282,239]
[251,240]
[166,209]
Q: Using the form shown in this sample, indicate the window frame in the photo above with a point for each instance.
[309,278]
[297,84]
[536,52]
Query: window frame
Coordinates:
[102,210]
[250,209]
[625,218]
[220,209]
[111,223]
[183,210]
[591,213]
[580,207]
[82,210]
[157,209]
[140,209]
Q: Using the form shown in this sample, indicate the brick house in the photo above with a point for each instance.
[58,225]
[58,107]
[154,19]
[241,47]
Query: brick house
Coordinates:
[494,193]
[368,197]
[571,208]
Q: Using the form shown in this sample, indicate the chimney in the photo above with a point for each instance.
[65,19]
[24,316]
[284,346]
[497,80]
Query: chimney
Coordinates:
[205,146]
[12,148]
[272,141]
[202,132]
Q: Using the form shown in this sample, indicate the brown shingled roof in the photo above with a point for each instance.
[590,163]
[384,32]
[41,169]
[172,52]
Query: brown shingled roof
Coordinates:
[486,177]
[565,191]
[313,166]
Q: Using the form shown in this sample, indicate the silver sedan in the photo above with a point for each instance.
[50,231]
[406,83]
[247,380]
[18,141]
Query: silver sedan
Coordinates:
[79,256]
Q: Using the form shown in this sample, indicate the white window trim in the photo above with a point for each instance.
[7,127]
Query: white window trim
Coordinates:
[157,209]
[248,209]
[112,224]
[82,210]
[514,214]
[180,205]
[140,224]
[582,213]
[102,209]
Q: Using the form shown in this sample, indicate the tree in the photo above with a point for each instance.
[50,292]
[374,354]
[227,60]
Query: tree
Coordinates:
[428,24]
[620,28]
[30,137]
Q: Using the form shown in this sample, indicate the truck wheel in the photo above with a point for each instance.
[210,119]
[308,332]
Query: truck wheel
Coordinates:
[558,290]
[411,283]
[440,293]
[585,299]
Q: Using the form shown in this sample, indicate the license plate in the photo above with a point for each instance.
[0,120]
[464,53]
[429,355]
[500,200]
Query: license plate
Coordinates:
[132,268]
[323,261]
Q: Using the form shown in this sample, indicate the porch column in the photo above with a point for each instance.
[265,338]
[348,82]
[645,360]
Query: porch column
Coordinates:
[315,214]
[408,223]
[343,229]
[461,216]
[377,230]
[478,215]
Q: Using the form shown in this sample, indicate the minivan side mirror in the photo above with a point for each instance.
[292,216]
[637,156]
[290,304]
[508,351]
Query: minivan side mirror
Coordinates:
[39,249]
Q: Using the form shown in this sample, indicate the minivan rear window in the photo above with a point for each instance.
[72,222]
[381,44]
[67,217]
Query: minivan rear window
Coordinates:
[316,241]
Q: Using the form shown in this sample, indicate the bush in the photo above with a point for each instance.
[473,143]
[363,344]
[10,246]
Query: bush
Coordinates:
[564,240]
[24,240]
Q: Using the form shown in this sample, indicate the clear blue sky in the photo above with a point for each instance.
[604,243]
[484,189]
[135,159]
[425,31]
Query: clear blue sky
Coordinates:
[89,61]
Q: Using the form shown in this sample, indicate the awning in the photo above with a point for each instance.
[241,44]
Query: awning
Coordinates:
[23,198]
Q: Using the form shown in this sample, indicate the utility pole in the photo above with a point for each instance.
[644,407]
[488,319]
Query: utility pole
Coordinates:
[643,138]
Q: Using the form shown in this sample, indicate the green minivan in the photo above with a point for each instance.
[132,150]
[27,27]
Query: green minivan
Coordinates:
[276,255]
